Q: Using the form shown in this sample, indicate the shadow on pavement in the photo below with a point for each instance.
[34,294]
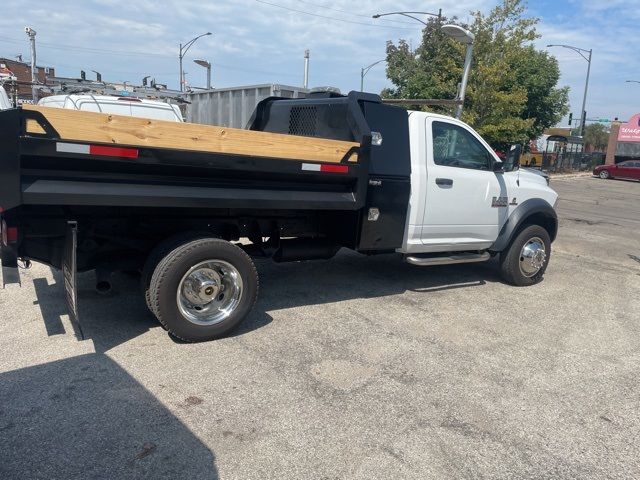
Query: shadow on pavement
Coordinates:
[86,417]
[122,315]
[351,275]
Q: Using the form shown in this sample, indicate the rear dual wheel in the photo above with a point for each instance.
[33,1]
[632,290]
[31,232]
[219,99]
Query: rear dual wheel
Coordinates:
[202,289]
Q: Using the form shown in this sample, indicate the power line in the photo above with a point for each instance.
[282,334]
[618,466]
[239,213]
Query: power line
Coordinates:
[122,52]
[351,13]
[58,46]
[326,17]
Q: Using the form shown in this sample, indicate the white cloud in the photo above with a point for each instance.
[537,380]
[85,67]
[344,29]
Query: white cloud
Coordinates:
[254,42]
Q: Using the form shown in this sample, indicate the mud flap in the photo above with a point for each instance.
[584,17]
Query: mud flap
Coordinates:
[10,272]
[69,274]
[9,262]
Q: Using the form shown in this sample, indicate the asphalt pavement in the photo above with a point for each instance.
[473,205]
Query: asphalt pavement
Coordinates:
[355,368]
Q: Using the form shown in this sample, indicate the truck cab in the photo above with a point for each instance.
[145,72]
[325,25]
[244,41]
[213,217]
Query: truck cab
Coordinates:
[462,194]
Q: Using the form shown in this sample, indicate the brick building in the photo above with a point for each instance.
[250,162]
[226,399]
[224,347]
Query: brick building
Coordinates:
[22,72]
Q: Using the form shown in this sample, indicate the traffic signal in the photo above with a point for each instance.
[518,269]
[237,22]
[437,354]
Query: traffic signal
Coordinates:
[570,118]
[83,75]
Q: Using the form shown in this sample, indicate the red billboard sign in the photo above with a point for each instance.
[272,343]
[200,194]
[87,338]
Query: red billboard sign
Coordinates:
[630,131]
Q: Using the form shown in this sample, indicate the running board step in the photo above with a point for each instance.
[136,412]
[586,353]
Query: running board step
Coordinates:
[448,259]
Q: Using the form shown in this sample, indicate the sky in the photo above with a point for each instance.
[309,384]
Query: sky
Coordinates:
[263,41]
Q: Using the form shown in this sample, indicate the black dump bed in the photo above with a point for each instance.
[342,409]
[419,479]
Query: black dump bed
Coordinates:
[54,158]
[48,169]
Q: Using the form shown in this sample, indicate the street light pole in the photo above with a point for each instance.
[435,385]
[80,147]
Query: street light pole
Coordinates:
[365,70]
[457,33]
[410,15]
[207,65]
[465,37]
[632,81]
[183,51]
[580,51]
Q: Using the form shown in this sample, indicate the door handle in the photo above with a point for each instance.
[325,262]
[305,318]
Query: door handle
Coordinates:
[444,181]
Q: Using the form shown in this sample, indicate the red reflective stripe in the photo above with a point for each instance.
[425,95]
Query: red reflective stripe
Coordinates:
[12,234]
[334,168]
[113,151]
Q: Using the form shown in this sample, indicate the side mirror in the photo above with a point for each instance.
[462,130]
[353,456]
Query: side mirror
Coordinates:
[512,160]
[498,167]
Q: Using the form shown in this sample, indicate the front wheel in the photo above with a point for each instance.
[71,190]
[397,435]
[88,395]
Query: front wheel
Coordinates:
[203,289]
[604,174]
[526,259]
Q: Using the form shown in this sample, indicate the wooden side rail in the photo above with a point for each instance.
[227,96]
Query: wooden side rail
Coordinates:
[94,127]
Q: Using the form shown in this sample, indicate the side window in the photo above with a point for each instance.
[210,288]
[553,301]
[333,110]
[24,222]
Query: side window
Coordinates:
[453,146]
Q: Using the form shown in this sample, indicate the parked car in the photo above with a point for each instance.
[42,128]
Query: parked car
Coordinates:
[128,106]
[629,169]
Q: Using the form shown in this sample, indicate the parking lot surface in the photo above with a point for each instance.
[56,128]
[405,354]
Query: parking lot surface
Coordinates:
[354,368]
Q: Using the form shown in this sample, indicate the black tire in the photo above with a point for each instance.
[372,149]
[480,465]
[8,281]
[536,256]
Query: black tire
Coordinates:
[167,277]
[157,254]
[510,259]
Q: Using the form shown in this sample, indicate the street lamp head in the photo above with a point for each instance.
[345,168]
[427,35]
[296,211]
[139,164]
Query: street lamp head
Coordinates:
[377,15]
[208,33]
[203,63]
[458,33]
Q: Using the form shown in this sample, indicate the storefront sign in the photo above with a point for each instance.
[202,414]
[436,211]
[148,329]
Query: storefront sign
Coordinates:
[630,131]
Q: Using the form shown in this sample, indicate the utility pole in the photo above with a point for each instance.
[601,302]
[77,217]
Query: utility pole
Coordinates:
[31,33]
[306,69]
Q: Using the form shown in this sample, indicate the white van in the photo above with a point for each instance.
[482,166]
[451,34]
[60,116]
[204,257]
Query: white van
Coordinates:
[5,102]
[128,106]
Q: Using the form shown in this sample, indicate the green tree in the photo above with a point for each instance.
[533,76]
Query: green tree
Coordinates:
[512,94]
[596,135]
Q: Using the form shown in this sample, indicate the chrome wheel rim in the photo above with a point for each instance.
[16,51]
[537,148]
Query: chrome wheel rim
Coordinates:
[604,174]
[532,257]
[209,292]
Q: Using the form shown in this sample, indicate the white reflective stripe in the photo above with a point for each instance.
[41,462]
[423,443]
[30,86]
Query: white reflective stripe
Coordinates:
[72,148]
[315,167]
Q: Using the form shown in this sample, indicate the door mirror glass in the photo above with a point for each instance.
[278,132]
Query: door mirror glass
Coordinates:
[498,167]
[512,159]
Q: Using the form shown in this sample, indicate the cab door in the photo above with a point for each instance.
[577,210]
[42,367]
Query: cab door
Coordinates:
[466,201]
